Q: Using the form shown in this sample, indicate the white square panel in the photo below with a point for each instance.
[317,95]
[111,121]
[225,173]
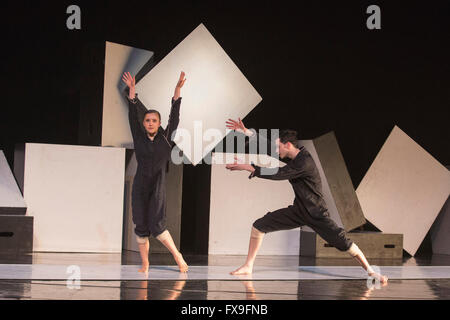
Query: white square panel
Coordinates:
[404,189]
[215,90]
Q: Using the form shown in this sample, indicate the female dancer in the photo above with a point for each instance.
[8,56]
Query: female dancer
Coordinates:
[152,145]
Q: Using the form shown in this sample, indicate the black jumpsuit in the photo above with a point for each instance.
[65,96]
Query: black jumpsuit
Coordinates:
[309,207]
[149,185]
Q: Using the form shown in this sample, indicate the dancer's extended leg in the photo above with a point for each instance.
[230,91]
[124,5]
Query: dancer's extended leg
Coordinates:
[356,253]
[144,247]
[167,241]
[256,239]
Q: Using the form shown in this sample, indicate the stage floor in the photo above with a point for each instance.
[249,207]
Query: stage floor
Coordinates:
[115,276]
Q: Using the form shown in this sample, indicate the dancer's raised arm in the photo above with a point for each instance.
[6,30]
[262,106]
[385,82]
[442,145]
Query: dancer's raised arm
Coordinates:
[136,109]
[174,117]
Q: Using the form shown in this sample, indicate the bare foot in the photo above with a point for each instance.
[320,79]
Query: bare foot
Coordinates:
[181,263]
[379,277]
[245,269]
[144,267]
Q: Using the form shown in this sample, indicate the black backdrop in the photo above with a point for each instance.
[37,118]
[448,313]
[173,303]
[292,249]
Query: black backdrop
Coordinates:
[316,65]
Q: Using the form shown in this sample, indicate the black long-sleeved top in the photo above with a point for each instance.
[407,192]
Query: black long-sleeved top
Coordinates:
[152,156]
[304,177]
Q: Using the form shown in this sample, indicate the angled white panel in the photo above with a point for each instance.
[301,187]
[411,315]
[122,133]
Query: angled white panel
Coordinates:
[404,189]
[215,90]
[10,195]
[236,202]
[118,59]
[75,194]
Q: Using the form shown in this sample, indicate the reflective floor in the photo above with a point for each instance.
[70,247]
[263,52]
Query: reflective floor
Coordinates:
[222,290]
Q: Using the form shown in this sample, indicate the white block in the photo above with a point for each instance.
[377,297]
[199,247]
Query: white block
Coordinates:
[119,59]
[75,194]
[10,195]
[215,90]
[404,189]
[236,202]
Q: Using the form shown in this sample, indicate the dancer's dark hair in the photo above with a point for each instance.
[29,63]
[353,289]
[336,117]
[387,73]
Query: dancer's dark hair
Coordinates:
[289,136]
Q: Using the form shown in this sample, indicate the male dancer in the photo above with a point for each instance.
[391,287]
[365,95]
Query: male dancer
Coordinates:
[309,207]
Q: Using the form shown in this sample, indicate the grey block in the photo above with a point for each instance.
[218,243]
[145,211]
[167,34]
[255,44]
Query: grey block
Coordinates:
[16,234]
[374,245]
[440,230]
[339,193]
[11,199]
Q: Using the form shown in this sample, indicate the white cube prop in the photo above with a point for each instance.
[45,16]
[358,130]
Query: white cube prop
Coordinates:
[215,90]
[404,189]
[75,194]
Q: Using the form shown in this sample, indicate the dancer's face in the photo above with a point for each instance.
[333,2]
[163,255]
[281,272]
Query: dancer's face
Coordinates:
[151,123]
[282,148]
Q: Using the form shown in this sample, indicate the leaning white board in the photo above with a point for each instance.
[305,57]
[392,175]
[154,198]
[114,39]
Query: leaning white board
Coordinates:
[119,59]
[215,90]
[10,195]
[236,202]
[404,189]
[75,194]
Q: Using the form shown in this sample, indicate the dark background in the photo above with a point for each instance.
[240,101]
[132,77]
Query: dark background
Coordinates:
[316,65]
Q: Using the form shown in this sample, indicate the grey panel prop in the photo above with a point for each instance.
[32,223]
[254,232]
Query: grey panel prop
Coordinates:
[174,184]
[337,186]
[374,245]
[16,234]
[11,199]
[440,231]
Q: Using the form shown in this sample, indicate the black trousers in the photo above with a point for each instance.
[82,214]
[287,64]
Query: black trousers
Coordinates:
[293,217]
[148,201]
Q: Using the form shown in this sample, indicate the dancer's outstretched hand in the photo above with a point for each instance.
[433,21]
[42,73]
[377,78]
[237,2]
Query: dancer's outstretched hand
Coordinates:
[182,79]
[129,80]
[180,83]
[239,166]
[131,83]
[236,125]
